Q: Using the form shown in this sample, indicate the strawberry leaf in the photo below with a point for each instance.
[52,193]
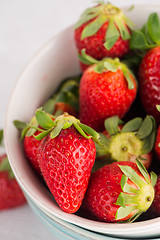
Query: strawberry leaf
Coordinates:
[132,175]
[148,36]
[93,27]
[99,68]
[123,212]
[158,107]
[41,135]
[138,40]
[80,130]
[120,200]
[5,167]
[102,150]
[132,125]
[126,187]
[146,128]
[111,125]
[30,131]
[153,178]
[123,29]
[90,131]
[57,129]
[148,141]
[143,170]
[128,21]
[44,120]
[24,132]
[88,15]
[1,136]
[112,35]
[19,124]
[153,25]
[49,106]
[83,60]
[88,57]
[111,66]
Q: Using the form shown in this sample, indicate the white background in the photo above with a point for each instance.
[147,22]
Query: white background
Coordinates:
[25,25]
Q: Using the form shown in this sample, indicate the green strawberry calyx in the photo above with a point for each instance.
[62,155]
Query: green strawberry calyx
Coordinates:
[53,126]
[118,23]
[1,137]
[135,138]
[5,167]
[148,36]
[68,92]
[27,129]
[136,197]
[108,64]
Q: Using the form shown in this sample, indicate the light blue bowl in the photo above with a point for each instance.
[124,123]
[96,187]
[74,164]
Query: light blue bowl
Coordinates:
[64,230]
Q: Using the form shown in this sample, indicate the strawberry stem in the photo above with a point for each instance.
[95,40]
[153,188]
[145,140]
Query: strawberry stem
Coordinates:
[53,126]
[105,12]
[135,199]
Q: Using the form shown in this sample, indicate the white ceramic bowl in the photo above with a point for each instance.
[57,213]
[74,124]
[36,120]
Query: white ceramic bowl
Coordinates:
[54,62]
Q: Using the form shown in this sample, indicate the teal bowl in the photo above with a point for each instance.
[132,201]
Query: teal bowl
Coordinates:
[64,230]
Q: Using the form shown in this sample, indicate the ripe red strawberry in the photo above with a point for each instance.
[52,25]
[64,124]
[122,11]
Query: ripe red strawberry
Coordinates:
[157,144]
[155,207]
[11,194]
[62,107]
[66,157]
[146,41]
[30,143]
[149,82]
[107,88]
[120,192]
[65,99]
[104,31]
[132,140]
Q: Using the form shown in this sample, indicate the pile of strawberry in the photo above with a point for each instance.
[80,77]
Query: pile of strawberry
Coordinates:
[11,195]
[93,140]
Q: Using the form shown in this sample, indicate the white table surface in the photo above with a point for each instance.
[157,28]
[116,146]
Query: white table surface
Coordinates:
[25,25]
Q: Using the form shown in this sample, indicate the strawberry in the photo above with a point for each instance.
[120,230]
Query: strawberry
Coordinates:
[30,143]
[66,157]
[104,31]
[157,144]
[120,192]
[62,107]
[155,207]
[146,42]
[11,194]
[107,88]
[134,139]
[149,82]
[65,99]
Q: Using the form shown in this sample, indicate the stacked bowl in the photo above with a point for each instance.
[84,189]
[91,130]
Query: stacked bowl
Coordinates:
[55,61]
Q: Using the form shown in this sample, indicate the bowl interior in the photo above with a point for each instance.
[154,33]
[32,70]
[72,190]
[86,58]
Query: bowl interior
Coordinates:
[55,61]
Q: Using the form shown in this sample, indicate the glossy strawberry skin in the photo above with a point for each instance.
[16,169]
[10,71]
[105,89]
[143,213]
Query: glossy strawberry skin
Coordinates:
[11,194]
[94,44]
[155,207]
[157,144]
[104,95]
[65,107]
[103,190]
[149,82]
[31,145]
[66,162]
